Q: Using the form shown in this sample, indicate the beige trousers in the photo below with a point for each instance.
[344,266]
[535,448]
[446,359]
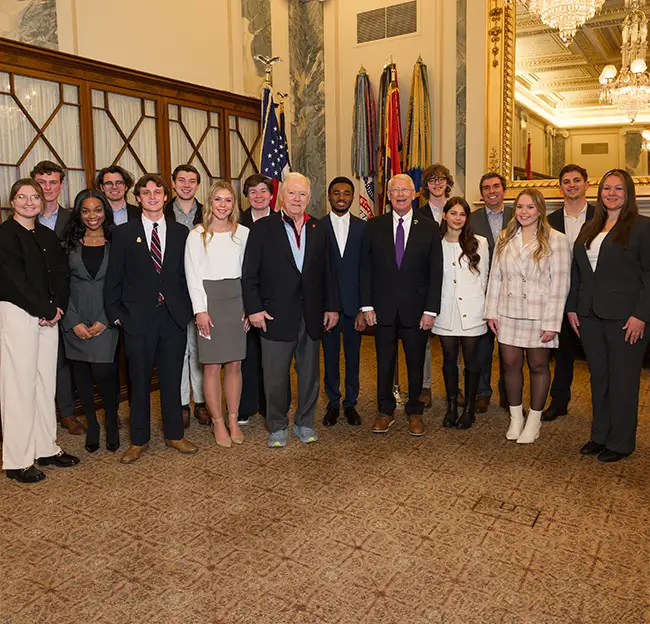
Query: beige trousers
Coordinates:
[27,387]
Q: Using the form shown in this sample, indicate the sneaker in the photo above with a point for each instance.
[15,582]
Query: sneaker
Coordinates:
[306,434]
[242,419]
[277,439]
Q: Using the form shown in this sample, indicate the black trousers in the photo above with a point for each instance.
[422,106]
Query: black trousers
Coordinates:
[564,356]
[414,341]
[163,345]
[615,368]
[252,389]
[331,358]
[65,391]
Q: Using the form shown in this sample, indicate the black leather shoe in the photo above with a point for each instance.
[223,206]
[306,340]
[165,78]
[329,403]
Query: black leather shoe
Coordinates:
[352,416]
[608,456]
[112,447]
[60,460]
[331,416]
[26,475]
[553,412]
[91,448]
[592,448]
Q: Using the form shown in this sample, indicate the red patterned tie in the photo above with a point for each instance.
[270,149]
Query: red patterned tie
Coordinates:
[156,254]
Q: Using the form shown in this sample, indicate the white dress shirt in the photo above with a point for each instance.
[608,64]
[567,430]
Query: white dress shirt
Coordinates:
[341,227]
[256,218]
[436,212]
[594,250]
[573,225]
[162,232]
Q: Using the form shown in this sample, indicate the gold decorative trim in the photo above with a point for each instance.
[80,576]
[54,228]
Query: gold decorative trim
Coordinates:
[495,33]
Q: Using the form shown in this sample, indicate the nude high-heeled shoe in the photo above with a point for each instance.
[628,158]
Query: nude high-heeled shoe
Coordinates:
[236,434]
[223,442]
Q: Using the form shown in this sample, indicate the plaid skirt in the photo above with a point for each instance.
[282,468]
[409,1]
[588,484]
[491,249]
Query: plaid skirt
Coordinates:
[523,333]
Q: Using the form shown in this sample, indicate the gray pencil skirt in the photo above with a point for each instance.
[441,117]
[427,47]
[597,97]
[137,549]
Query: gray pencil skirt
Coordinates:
[227,341]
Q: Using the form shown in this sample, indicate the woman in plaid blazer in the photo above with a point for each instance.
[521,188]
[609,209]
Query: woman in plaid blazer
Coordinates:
[528,286]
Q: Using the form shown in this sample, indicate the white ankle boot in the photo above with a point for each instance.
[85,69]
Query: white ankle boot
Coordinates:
[516,422]
[532,428]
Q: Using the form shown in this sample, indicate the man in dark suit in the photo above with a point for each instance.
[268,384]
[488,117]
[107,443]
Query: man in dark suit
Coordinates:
[115,182]
[258,190]
[569,220]
[400,284]
[489,222]
[345,233]
[291,295]
[50,177]
[146,293]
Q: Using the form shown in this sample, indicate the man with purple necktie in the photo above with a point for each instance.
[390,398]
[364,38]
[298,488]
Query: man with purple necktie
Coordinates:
[400,284]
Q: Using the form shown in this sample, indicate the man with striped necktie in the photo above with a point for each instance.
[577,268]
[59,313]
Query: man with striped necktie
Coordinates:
[146,293]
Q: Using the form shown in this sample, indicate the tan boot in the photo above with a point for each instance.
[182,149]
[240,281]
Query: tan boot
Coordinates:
[183,446]
[133,453]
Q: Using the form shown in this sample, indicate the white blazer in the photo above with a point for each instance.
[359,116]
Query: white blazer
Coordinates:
[463,287]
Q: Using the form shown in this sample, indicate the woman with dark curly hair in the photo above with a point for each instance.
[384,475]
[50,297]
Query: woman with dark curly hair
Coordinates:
[90,339]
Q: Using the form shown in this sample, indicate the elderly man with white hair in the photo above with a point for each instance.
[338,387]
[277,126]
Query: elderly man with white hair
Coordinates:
[291,295]
[400,287]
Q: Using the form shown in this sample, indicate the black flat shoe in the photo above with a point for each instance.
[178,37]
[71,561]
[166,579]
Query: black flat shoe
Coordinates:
[352,416]
[112,447]
[26,475]
[608,456]
[550,414]
[592,448]
[331,416]
[60,460]
[92,447]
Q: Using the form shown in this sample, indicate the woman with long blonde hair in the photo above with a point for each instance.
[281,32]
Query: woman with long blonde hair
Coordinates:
[214,254]
[527,290]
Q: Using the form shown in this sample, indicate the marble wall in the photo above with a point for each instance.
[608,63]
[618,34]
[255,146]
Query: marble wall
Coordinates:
[257,16]
[30,21]
[559,154]
[633,151]
[307,76]
[461,93]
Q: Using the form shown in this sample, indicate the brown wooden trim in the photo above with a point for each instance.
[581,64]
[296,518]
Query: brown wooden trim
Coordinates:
[86,129]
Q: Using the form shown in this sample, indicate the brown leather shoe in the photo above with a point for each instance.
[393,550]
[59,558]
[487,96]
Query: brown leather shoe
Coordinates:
[482,404]
[416,426]
[425,397]
[133,453]
[383,423]
[185,411]
[183,446]
[201,413]
[73,426]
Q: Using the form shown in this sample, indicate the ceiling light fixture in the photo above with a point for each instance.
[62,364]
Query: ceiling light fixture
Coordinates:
[565,15]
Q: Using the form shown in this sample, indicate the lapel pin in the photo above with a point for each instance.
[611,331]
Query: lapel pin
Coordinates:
[138,240]
[415,221]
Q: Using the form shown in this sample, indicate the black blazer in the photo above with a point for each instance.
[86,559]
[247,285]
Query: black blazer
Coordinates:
[425,212]
[481,225]
[170,216]
[413,288]
[62,219]
[132,284]
[347,267]
[556,218]
[33,269]
[133,212]
[271,280]
[246,218]
[620,286]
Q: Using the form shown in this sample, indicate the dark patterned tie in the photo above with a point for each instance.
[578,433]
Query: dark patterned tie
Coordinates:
[399,242]
[156,254]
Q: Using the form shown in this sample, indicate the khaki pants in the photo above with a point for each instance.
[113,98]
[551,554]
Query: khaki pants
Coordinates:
[27,386]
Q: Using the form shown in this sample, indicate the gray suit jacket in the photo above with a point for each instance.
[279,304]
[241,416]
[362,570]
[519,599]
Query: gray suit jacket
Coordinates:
[62,218]
[86,306]
[481,225]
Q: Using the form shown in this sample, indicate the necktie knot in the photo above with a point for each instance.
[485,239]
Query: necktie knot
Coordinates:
[401,221]
[155,226]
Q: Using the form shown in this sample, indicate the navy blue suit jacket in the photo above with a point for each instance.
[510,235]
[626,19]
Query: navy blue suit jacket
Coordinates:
[347,267]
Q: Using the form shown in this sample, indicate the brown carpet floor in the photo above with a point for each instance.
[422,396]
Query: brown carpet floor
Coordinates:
[458,526]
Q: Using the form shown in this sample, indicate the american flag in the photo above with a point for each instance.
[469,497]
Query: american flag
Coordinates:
[274,162]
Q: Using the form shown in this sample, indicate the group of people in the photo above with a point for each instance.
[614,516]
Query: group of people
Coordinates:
[193,289]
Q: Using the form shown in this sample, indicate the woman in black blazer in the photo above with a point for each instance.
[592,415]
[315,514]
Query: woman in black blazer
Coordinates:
[608,307]
[33,296]
[90,339]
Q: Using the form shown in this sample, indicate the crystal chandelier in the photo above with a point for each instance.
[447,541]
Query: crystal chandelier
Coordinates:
[565,15]
[630,90]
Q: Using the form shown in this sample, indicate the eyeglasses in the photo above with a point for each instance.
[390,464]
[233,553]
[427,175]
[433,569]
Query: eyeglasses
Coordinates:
[34,198]
[436,180]
[401,189]
[117,184]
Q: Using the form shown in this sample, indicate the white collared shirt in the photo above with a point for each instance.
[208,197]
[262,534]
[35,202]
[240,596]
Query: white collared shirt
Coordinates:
[573,225]
[256,218]
[341,227]
[162,232]
[408,218]
[436,213]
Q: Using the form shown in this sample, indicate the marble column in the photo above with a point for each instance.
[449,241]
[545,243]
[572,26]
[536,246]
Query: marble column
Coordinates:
[257,14]
[307,73]
[30,21]
[461,93]
[633,151]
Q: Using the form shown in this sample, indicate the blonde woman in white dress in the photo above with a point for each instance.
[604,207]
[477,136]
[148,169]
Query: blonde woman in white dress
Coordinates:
[527,291]
[466,261]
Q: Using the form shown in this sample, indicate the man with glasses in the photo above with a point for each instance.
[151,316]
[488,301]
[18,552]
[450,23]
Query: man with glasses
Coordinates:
[400,288]
[115,182]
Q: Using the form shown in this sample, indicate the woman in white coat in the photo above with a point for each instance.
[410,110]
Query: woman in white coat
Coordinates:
[466,260]
[527,290]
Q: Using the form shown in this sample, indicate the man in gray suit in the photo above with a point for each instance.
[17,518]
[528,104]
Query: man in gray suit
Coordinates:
[50,177]
[489,222]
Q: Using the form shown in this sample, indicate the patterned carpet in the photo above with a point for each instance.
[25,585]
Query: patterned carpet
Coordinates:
[458,526]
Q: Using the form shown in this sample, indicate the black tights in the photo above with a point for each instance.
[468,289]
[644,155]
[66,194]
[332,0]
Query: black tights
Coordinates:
[540,374]
[86,374]
[450,346]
